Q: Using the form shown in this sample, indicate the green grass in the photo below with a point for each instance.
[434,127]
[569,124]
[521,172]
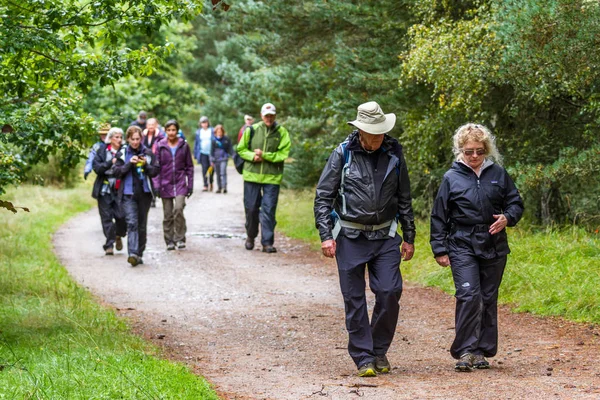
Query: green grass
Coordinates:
[56,342]
[553,272]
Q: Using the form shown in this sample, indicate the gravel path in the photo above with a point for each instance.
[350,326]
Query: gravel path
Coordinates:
[271,326]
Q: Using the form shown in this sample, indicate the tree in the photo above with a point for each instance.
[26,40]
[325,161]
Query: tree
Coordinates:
[52,53]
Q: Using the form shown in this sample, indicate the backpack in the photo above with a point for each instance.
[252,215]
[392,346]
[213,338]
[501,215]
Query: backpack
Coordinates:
[239,161]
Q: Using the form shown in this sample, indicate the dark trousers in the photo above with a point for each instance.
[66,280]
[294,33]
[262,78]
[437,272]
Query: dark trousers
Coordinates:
[477,281]
[112,219]
[221,171]
[382,257]
[205,162]
[260,204]
[174,226]
[136,209]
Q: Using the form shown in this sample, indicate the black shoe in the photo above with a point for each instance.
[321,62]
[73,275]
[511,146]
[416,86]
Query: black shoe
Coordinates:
[465,364]
[480,362]
[367,370]
[171,246]
[218,191]
[249,243]
[133,260]
[140,261]
[382,365]
[109,252]
[181,244]
[224,190]
[269,249]
[119,243]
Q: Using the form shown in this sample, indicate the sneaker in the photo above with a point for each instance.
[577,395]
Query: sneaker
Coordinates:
[218,191]
[205,189]
[382,365]
[367,370]
[109,252]
[119,243]
[133,260]
[140,261]
[171,246]
[249,243]
[480,362]
[269,249]
[465,364]
[181,244]
[224,190]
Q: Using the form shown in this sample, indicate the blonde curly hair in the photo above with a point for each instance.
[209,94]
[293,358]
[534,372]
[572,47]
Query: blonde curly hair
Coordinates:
[476,133]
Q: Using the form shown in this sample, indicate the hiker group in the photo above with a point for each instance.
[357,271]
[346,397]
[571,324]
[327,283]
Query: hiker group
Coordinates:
[156,162]
[362,196]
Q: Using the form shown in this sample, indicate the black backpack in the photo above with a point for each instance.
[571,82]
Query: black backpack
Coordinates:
[239,161]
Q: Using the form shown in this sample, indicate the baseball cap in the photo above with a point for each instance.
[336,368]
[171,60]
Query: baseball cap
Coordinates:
[267,109]
[204,119]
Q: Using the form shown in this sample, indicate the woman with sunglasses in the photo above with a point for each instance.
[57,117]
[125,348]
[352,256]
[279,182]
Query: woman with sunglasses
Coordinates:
[476,201]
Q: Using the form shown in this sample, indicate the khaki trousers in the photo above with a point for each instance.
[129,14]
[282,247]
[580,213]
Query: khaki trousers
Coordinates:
[174,226]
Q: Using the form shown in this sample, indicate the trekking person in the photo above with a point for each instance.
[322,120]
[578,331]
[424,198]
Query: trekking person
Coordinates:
[264,147]
[89,164]
[152,135]
[476,201]
[363,192]
[140,121]
[202,148]
[248,121]
[135,166]
[175,182]
[106,191]
[221,150]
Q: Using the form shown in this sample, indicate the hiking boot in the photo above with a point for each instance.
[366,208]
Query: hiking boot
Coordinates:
[465,364]
[181,244]
[382,365]
[367,370]
[480,362]
[224,190]
[249,243]
[269,249]
[119,243]
[171,246]
[109,252]
[133,260]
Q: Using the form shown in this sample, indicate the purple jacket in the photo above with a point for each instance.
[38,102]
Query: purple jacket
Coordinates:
[176,176]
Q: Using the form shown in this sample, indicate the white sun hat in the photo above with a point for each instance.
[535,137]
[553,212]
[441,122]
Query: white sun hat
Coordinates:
[371,119]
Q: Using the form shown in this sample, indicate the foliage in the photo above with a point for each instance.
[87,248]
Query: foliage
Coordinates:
[52,52]
[56,341]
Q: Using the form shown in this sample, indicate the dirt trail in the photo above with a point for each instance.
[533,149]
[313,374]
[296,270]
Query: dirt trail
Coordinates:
[261,326]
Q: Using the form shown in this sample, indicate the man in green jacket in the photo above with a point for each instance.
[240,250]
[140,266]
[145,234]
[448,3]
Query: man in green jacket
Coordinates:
[264,147]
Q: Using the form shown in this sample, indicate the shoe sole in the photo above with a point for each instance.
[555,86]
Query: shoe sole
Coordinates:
[368,373]
[384,370]
[463,368]
[481,366]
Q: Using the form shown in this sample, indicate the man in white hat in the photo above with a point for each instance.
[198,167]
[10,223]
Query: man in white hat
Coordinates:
[264,147]
[362,195]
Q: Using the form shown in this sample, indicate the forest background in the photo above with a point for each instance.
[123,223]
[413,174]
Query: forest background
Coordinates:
[528,69]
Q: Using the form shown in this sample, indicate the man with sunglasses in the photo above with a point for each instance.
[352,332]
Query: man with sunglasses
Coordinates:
[476,201]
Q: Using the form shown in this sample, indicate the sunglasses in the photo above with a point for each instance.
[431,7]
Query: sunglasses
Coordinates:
[470,152]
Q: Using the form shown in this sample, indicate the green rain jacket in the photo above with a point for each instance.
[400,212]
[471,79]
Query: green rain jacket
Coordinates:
[275,144]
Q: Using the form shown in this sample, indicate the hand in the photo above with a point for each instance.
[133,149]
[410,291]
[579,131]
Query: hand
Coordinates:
[407,250]
[190,192]
[114,160]
[142,159]
[443,261]
[134,160]
[258,152]
[499,225]
[328,248]
[257,158]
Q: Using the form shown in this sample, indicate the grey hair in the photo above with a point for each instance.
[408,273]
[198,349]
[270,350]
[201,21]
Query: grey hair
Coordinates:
[111,133]
[477,133]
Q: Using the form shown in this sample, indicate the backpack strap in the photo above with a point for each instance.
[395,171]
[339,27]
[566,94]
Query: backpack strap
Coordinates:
[345,171]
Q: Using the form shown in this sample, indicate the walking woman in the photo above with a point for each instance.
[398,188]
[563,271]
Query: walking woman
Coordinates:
[476,201]
[135,166]
[220,152]
[175,182]
[106,190]
[202,149]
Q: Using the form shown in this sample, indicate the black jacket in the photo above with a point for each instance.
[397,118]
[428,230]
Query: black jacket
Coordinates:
[123,168]
[103,169]
[464,207]
[367,202]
